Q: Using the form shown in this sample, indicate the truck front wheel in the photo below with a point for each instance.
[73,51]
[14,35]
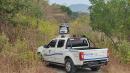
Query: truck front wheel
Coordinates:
[40,56]
[69,66]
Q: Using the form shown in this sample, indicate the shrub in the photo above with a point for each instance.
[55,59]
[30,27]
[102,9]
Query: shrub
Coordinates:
[124,51]
[23,51]
[49,29]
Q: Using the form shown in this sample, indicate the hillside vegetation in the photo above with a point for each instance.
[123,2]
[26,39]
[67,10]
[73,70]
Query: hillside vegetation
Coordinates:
[24,26]
[27,24]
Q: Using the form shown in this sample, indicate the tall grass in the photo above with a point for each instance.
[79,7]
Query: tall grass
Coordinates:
[20,56]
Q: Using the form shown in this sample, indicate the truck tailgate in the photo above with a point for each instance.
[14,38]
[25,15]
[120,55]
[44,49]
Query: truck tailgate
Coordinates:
[95,54]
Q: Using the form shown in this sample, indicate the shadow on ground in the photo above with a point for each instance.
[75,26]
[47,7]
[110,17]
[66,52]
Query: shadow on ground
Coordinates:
[61,69]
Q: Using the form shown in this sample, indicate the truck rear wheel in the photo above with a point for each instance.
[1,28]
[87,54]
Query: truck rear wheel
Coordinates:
[95,68]
[69,66]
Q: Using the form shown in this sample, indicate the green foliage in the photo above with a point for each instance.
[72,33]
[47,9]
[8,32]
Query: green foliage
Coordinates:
[124,51]
[23,11]
[19,51]
[110,16]
[63,8]
[27,56]
[25,28]
[66,9]
[24,20]
[49,29]
[10,7]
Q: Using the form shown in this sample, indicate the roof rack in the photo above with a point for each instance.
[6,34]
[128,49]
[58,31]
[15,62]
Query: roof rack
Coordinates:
[64,30]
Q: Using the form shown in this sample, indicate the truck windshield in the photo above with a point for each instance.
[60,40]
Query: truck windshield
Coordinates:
[77,43]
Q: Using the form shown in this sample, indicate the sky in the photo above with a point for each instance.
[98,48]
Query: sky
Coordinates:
[69,2]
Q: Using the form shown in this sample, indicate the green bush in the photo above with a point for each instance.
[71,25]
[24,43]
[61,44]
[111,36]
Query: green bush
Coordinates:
[23,51]
[124,51]
[19,51]
[49,29]
[27,56]
[23,20]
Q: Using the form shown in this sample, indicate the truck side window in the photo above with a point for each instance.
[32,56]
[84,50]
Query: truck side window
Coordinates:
[52,43]
[76,43]
[85,43]
[60,43]
[68,44]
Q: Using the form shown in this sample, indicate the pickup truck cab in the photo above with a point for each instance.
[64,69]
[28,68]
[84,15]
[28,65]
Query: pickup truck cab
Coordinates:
[74,53]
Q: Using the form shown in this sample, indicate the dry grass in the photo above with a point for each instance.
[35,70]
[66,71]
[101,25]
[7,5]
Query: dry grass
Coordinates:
[115,66]
[13,65]
[21,57]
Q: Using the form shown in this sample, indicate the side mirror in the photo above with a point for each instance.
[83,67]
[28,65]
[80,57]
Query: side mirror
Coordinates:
[46,46]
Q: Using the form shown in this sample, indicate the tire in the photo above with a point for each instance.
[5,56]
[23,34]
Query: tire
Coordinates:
[47,63]
[95,68]
[40,56]
[69,66]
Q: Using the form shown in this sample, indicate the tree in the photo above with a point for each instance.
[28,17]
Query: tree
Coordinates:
[66,9]
[110,17]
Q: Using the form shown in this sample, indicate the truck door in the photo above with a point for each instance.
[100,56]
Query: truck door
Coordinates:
[49,53]
[59,57]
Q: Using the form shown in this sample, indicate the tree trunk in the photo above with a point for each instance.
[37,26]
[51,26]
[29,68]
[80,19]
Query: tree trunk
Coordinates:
[114,44]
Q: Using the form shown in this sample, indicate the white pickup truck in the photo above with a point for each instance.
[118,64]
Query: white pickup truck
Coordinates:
[74,53]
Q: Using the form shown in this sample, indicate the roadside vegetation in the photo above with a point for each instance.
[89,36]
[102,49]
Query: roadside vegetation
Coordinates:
[112,19]
[27,24]
[24,26]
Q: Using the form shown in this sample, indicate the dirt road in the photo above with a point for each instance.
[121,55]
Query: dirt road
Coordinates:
[60,69]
